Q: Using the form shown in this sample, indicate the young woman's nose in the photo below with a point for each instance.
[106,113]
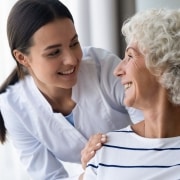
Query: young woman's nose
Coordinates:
[69,58]
[119,70]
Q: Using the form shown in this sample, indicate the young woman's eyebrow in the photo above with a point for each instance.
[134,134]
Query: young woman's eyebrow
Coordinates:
[59,45]
[53,46]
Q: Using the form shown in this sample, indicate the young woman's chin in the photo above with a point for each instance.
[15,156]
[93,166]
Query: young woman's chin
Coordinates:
[69,85]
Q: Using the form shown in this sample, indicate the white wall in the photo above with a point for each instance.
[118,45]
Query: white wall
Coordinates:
[6,62]
[95,22]
[146,4]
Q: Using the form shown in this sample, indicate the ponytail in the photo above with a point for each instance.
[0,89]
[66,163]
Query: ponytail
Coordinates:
[12,79]
[2,130]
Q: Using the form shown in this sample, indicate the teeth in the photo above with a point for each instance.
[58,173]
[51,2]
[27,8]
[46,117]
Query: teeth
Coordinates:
[67,72]
[128,85]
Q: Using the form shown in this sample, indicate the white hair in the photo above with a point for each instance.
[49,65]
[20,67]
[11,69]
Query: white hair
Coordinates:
[157,33]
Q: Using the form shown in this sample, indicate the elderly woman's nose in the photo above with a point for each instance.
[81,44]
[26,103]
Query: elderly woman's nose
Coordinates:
[118,71]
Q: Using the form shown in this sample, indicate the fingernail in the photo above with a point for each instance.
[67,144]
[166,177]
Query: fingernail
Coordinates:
[103,139]
[98,144]
[103,136]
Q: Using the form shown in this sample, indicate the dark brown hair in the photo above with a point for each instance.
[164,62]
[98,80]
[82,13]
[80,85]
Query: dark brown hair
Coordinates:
[25,18]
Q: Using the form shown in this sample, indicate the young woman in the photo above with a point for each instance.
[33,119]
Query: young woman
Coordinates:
[59,95]
[150,73]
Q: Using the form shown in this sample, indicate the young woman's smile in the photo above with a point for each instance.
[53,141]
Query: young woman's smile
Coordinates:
[56,54]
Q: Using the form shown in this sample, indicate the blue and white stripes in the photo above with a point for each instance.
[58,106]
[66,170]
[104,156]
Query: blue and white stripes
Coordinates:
[128,156]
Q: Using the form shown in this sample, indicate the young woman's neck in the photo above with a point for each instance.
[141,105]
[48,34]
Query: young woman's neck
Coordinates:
[59,98]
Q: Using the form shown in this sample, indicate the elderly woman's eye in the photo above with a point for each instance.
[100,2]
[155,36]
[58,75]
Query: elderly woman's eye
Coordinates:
[129,57]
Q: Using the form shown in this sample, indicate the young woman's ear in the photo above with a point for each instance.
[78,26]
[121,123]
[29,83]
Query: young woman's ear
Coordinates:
[21,57]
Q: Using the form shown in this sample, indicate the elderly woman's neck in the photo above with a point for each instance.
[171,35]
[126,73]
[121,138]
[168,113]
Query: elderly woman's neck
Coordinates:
[162,122]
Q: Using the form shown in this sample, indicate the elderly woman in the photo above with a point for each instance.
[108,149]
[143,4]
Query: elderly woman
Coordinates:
[150,73]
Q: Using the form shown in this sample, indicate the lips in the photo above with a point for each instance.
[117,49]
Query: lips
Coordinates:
[67,72]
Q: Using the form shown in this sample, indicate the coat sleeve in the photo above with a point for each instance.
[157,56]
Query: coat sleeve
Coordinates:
[36,158]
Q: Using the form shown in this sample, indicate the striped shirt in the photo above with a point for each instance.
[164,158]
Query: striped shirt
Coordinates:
[128,156]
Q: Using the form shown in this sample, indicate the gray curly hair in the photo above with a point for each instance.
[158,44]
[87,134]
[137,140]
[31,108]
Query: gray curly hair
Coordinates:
[157,33]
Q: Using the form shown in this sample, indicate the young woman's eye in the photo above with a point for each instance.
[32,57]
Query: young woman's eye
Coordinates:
[74,44]
[54,53]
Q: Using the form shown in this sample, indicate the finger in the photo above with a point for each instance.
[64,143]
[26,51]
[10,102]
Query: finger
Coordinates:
[103,138]
[96,139]
[86,157]
[94,143]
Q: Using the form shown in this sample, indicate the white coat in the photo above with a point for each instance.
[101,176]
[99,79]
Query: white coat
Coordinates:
[43,137]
